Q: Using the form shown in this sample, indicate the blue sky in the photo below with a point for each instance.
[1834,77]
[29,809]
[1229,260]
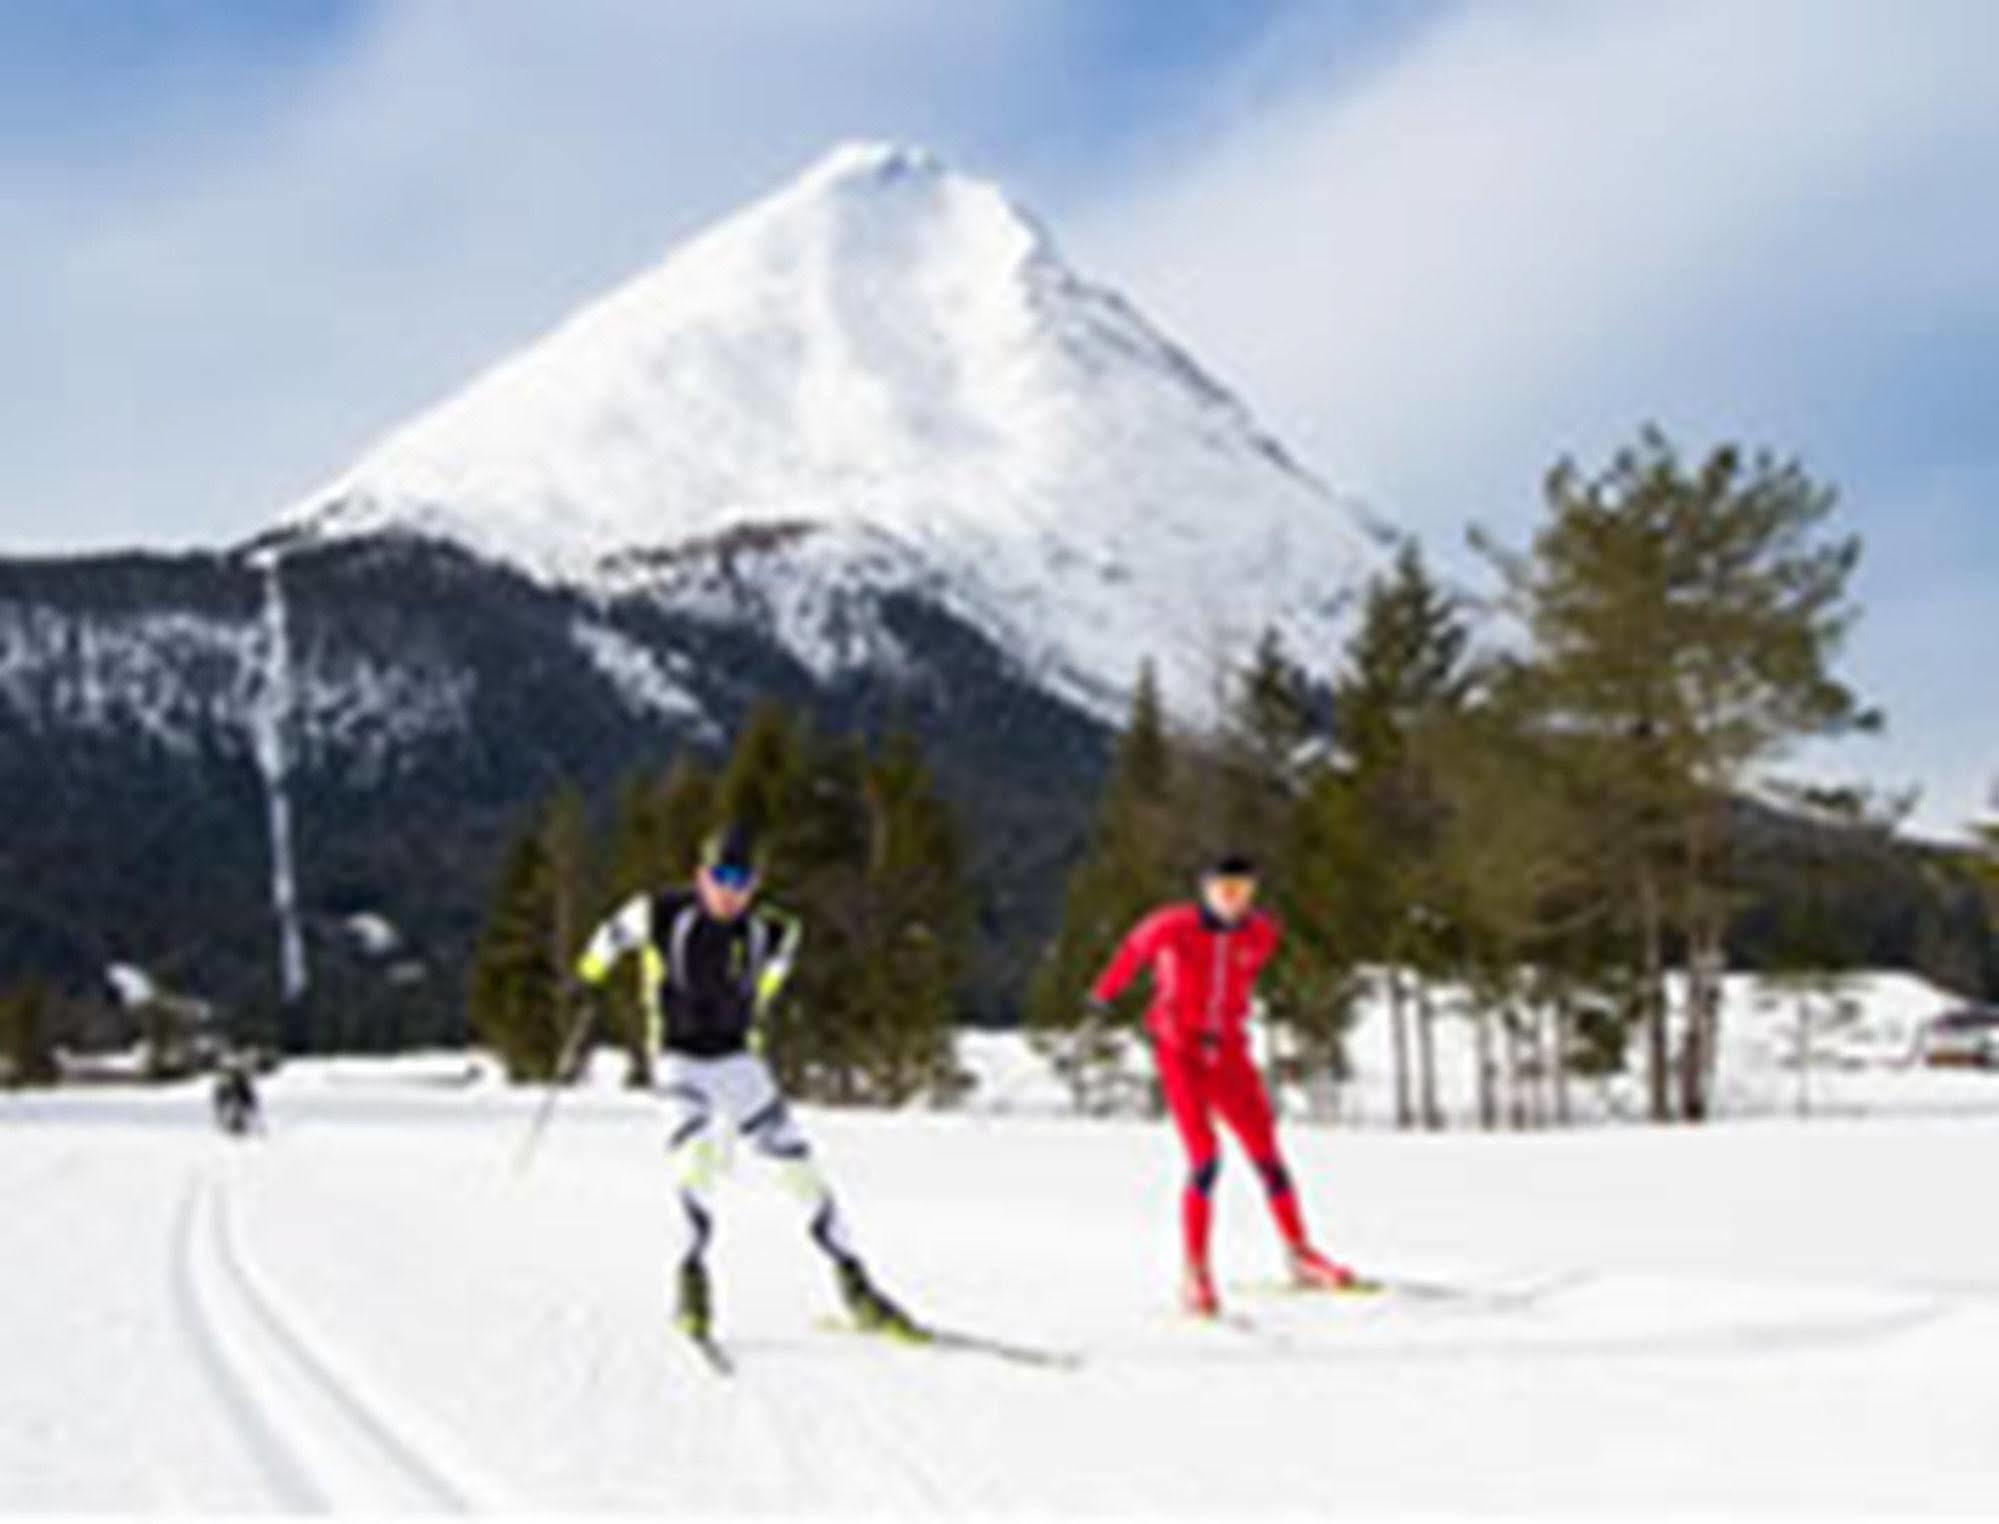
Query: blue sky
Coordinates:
[1435,243]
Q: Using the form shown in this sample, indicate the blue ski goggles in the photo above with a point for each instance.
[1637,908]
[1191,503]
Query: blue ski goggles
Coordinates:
[737,878]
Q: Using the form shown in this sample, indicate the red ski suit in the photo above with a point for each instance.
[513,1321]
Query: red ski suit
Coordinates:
[1204,974]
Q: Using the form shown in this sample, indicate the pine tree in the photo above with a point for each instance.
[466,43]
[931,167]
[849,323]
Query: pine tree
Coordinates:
[1373,813]
[640,865]
[1265,760]
[1261,752]
[761,785]
[521,990]
[689,808]
[1136,859]
[26,1053]
[1684,622]
[818,1033]
[919,926]
[1517,885]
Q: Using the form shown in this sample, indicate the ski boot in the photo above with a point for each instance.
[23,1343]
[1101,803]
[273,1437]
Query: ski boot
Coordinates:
[1197,1293]
[693,1312]
[873,1312]
[1312,1271]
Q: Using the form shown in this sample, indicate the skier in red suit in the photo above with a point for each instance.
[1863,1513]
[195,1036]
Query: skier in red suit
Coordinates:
[1204,959]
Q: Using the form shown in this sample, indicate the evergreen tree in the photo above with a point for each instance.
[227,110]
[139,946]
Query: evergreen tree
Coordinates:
[1135,860]
[689,808]
[27,1056]
[521,990]
[1684,620]
[1517,885]
[919,926]
[1261,753]
[1373,815]
[640,865]
[1264,763]
[762,784]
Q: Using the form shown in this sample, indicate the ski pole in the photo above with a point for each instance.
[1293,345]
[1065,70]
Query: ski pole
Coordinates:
[545,1112]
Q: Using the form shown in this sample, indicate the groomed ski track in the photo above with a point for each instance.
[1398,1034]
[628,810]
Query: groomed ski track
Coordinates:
[369,1311]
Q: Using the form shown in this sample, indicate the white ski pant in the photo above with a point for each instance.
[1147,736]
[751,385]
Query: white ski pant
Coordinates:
[710,1103]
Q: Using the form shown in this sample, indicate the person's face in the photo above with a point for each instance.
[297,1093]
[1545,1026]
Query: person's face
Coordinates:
[725,893]
[1229,898]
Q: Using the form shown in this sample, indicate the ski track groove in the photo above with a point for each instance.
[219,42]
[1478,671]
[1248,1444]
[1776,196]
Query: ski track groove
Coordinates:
[800,1454]
[863,1413]
[284,1472]
[800,1420]
[398,1448]
[284,1343]
[1289,1340]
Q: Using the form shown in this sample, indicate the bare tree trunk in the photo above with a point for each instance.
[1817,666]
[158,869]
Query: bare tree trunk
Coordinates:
[1652,994]
[1544,1057]
[1426,1051]
[1702,997]
[1691,1064]
[1717,954]
[1706,934]
[1564,1024]
[1516,1095]
[1488,1102]
[1398,1016]
[1804,1057]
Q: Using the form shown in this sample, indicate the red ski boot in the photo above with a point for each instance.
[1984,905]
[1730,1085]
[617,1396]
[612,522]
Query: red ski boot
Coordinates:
[1312,1271]
[1197,1293]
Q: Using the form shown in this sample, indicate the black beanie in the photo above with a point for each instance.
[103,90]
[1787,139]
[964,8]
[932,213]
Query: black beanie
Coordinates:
[733,846]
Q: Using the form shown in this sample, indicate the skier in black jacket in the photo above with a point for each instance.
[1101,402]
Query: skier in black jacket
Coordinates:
[235,1098]
[711,963]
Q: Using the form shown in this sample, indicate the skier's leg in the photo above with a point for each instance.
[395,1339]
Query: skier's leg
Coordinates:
[1245,1107]
[1183,1084]
[766,1122]
[775,1134]
[695,1148]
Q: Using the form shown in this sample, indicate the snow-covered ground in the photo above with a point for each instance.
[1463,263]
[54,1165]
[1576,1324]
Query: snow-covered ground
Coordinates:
[371,1309]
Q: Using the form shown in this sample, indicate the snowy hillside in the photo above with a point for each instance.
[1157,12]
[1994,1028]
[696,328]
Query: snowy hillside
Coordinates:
[890,362]
[182,679]
[369,1311]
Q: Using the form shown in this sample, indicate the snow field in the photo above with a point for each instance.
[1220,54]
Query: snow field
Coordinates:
[372,1310]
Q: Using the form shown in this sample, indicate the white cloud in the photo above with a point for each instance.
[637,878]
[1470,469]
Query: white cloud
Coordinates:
[199,332]
[1531,227]
[1536,219]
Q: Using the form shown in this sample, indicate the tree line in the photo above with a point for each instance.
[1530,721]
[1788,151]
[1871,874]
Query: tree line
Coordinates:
[1544,800]
[860,845]
[1521,810]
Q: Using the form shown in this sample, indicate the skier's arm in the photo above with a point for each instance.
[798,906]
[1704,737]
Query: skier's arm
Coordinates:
[776,970]
[626,931]
[1136,953]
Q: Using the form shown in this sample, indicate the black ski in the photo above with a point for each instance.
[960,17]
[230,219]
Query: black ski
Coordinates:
[958,1341]
[716,1358]
[1002,1349]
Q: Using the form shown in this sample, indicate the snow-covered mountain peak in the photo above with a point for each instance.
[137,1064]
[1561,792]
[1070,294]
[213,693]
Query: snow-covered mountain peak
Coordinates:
[884,351]
[877,159]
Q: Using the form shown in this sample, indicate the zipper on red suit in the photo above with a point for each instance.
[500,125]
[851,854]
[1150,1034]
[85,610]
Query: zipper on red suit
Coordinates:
[1220,985]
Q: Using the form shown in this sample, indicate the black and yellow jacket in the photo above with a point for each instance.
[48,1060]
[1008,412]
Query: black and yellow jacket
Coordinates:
[706,981]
